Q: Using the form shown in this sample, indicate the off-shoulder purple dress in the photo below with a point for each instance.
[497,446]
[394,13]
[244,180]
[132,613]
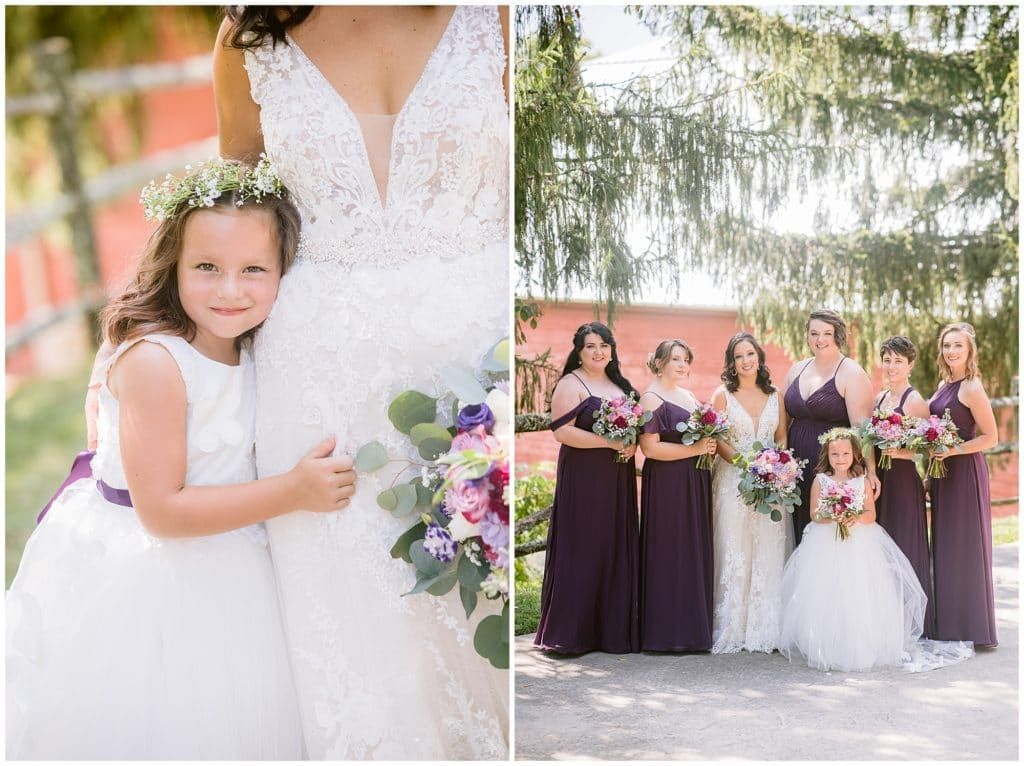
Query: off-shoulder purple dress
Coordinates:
[589,596]
[822,411]
[962,536]
[900,512]
[677,568]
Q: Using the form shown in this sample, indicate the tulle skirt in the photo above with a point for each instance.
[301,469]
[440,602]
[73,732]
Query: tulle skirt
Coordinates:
[123,646]
[852,604]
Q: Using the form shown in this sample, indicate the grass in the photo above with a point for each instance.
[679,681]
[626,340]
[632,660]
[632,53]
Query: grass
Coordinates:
[527,607]
[1005,530]
[45,430]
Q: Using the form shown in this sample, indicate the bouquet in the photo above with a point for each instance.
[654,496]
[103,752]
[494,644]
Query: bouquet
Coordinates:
[620,419]
[460,486]
[839,502]
[935,433]
[770,479]
[886,430]
[704,421]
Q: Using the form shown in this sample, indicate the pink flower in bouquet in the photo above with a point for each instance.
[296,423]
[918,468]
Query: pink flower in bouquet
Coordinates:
[476,439]
[709,418]
[784,457]
[620,420]
[471,499]
[704,421]
[638,410]
[936,435]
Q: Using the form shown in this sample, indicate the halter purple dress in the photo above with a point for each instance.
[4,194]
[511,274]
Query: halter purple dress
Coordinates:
[900,511]
[962,536]
[677,569]
[589,596]
[822,411]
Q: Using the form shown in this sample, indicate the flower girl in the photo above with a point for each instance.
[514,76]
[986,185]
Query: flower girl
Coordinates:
[850,598]
[143,622]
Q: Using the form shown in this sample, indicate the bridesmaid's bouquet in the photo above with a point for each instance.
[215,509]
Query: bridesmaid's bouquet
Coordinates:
[460,486]
[770,479]
[704,421]
[886,429]
[839,502]
[938,434]
[620,419]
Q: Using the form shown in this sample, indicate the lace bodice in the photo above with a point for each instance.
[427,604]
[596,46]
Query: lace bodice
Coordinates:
[856,484]
[447,181]
[742,435]
[220,418]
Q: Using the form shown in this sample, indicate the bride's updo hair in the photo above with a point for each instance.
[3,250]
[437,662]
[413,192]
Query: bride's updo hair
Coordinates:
[729,375]
[659,357]
[253,24]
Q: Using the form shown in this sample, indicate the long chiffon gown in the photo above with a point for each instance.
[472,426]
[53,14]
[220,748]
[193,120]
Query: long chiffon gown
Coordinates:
[962,536]
[676,550]
[822,411]
[589,596]
[900,512]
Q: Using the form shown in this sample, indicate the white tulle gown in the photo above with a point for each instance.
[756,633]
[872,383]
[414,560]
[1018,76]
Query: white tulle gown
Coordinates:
[388,289]
[122,646]
[750,548]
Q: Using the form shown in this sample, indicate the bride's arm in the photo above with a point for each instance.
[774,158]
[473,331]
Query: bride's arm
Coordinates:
[238,116]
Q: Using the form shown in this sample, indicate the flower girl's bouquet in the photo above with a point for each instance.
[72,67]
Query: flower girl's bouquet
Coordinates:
[935,433]
[704,421]
[459,485]
[886,430]
[770,479]
[839,502]
[620,419]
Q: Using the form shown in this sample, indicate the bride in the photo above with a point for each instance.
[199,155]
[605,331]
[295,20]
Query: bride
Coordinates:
[750,548]
[389,125]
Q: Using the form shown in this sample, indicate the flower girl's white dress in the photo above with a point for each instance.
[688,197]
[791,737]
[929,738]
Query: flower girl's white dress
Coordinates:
[853,604]
[125,646]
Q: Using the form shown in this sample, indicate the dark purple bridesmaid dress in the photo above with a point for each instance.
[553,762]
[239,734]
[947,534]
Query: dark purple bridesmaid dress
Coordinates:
[589,596]
[677,568]
[900,512]
[962,536]
[822,411]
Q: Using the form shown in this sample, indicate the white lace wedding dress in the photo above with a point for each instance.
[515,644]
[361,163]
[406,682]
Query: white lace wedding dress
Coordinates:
[387,290]
[750,548]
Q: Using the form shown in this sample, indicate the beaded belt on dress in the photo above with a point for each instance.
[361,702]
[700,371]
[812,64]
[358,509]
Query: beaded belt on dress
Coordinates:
[392,251]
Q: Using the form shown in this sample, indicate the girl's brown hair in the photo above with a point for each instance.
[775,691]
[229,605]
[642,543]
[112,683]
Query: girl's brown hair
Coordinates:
[657,359]
[150,303]
[972,370]
[859,467]
[829,317]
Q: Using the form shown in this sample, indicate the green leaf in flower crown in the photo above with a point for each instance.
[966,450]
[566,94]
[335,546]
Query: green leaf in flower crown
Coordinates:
[370,457]
[400,550]
[444,584]
[468,596]
[423,561]
[388,500]
[464,385]
[411,408]
[491,642]
[497,359]
[406,499]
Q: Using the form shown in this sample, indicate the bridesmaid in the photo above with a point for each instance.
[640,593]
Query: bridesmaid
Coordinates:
[961,505]
[824,392]
[589,596]
[900,506]
[676,549]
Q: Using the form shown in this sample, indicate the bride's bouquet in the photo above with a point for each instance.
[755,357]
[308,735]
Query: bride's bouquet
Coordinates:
[839,502]
[620,419]
[938,434]
[886,429]
[461,489]
[770,483]
[704,421]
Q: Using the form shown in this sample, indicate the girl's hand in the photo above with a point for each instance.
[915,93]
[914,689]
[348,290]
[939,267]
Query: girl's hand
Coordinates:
[849,521]
[323,483]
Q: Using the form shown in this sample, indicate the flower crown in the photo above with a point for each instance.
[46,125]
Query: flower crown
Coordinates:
[204,184]
[837,433]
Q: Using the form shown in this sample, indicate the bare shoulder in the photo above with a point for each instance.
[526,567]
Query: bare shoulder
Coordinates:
[851,369]
[650,400]
[794,370]
[973,392]
[718,400]
[148,372]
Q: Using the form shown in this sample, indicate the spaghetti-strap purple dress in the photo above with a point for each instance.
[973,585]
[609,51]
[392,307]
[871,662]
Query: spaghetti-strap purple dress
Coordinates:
[900,512]
[589,596]
[962,536]
[677,568]
[822,411]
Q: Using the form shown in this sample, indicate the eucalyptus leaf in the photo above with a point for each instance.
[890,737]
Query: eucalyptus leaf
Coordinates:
[491,642]
[423,561]
[423,494]
[464,385]
[388,500]
[444,584]
[370,457]
[470,575]
[410,408]
[776,516]
[422,583]
[401,547]
[405,499]
[423,431]
[431,448]
[468,596]
[498,358]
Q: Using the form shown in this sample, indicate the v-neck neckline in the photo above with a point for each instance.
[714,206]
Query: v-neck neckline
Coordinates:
[755,422]
[382,204]
[822,386]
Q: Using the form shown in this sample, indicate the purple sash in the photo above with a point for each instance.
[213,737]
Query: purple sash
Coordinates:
[114,495]
[81,468]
